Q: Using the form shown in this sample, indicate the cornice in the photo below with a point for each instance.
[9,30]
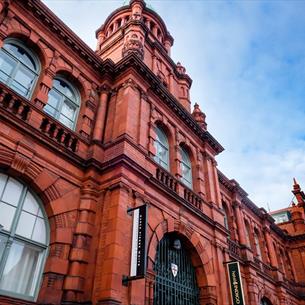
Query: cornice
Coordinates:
[62,31]
[148,11]
[300,237]
[233,186]
[153,44]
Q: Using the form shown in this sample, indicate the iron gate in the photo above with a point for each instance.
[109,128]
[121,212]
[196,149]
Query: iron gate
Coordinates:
[171,289]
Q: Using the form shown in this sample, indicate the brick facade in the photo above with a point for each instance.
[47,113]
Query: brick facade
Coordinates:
[87,178]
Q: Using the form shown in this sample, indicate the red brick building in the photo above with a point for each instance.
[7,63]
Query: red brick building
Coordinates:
[86,135]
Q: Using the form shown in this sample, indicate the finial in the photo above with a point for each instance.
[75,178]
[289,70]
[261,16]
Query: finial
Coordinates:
[199,116]
[299,194]
[180,68]
[296,186]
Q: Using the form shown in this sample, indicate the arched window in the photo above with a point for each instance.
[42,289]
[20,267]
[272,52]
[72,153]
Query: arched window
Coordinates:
[257,245]
[19,67]
[162,148]
[186,168]
[63,102]
[248,233]
[23,240]
[226,216]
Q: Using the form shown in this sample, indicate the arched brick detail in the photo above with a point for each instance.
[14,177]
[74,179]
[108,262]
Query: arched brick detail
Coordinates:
[41,181]
[270,295]
[15,29]
[203,262]
[32,41]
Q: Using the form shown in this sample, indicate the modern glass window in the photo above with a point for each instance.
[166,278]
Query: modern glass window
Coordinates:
[63,102]
[186,168]
[162,148]
[19,67]
[23,240]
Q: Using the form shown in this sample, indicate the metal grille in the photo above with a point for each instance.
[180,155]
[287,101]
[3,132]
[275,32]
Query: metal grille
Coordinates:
[169,289]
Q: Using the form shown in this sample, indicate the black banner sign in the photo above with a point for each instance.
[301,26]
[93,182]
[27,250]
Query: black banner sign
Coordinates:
[138,249]
[236,283]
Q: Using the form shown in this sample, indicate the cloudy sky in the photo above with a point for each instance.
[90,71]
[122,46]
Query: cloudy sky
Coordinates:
[247,62]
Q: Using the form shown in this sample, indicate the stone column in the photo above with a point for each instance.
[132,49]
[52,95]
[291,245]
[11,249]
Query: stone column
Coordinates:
[270,249]
[154,64]
[144,117]
[75,283]
[101,114]
[171,83]
[240,224]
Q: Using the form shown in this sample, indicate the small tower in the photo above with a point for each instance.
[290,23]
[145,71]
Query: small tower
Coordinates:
[199,117]
[297,210]
[137,29]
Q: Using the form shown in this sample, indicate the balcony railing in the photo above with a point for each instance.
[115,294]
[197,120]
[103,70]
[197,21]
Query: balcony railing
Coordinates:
[175,185]
[59,134]
[14,105]
[23,110]
[193,198]
[234,248]
[167,179]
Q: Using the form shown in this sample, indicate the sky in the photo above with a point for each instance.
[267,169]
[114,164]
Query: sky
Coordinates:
[247,62]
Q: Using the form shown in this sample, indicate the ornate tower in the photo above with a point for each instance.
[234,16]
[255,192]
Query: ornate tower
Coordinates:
[137,29]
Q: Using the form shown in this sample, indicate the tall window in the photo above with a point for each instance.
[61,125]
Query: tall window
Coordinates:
[19,67]
[162,148]
[23,240]
[186,168]
[63,102]
[226,217]
[257,245]
[248,233]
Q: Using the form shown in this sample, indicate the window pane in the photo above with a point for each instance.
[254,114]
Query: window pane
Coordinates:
[39,233]
[12,192]
[6,215]
[7,65]
[50,110]
[23,81]
[161,137]
[54,98]
[66,121]
[20,272]
[2,245]
[64,88]
[30,204]
[2,182]
[40,213]
[68,111]
[25,225]
[21,54]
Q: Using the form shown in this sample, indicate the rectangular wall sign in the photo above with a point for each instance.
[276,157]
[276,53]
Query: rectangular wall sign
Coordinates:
[235,283]
[138,250]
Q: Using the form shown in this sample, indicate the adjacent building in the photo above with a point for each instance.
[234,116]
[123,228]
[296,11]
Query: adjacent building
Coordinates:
[85,136]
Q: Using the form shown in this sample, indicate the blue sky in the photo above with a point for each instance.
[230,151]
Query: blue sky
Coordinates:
[247,62]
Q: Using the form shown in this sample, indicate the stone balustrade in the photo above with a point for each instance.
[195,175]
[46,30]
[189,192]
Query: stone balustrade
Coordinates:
[17,109]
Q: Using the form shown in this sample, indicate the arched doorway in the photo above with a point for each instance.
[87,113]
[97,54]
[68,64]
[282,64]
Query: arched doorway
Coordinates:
[175,282]
[265,301]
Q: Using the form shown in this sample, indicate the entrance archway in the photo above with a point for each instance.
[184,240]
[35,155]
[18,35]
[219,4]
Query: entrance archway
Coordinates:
[175,281]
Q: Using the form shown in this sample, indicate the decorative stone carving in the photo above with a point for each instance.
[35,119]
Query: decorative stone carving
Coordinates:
[199,117]
[133,45]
